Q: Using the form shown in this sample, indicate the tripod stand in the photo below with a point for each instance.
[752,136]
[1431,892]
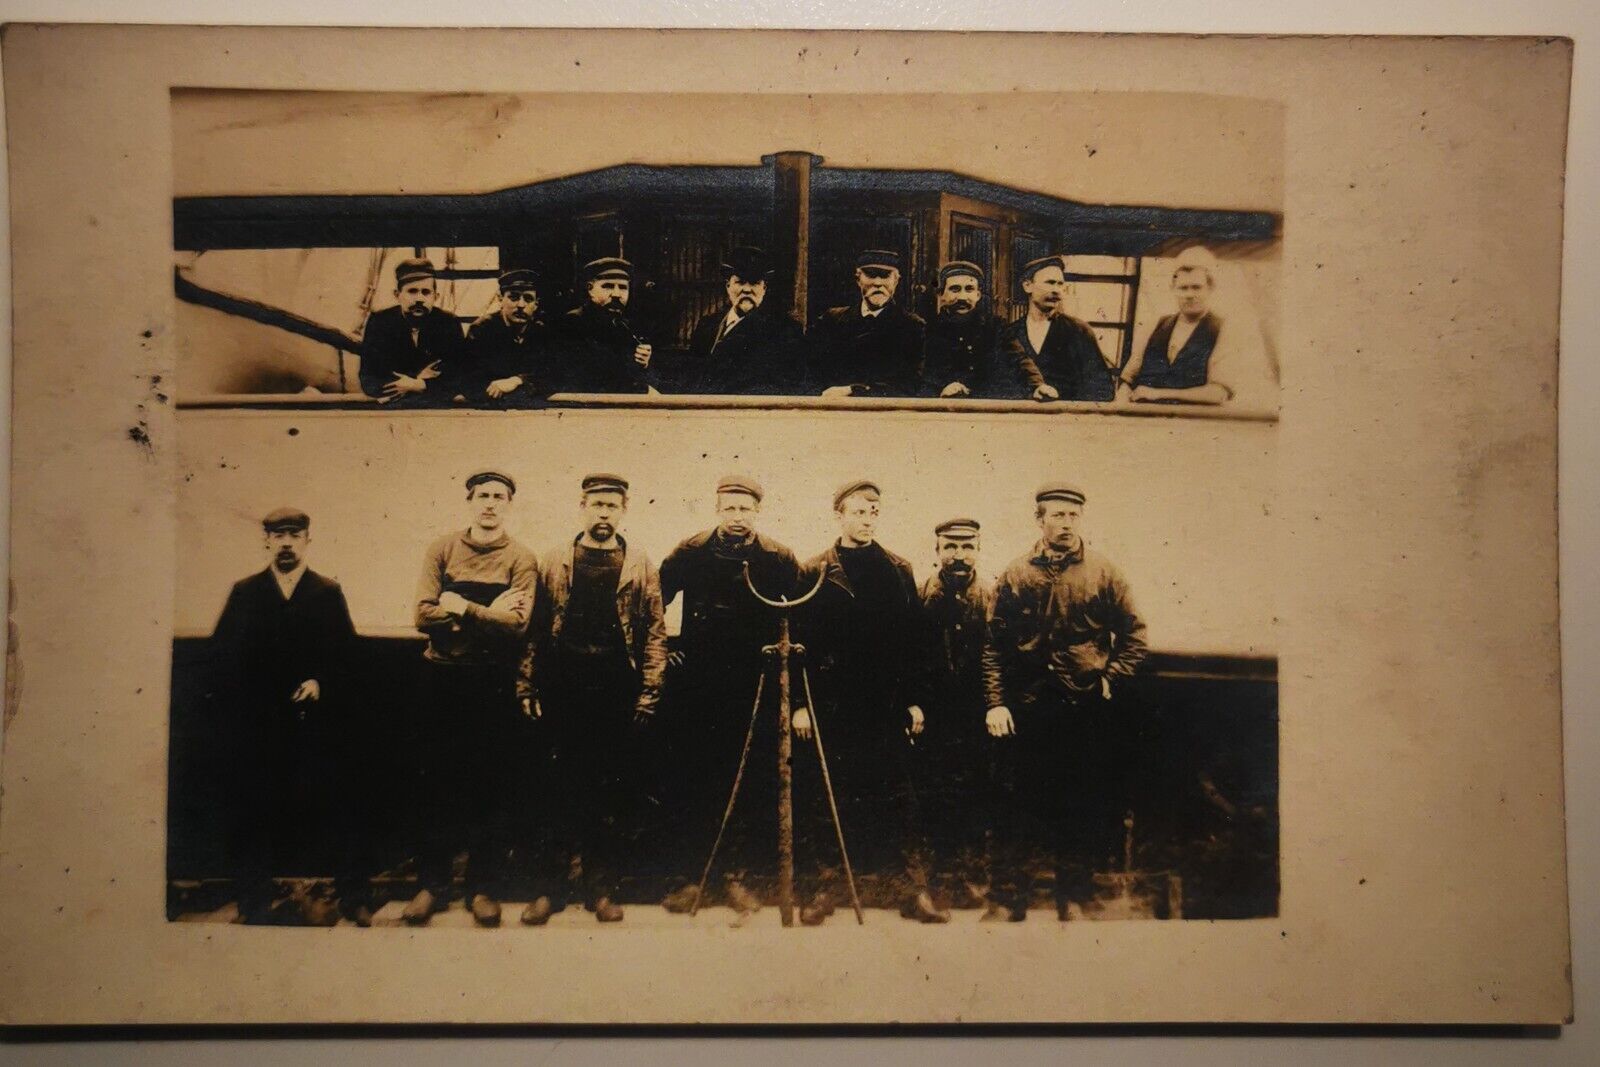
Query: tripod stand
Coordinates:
[778,658]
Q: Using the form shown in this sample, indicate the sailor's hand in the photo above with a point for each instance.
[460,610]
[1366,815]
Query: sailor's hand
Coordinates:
[675,658]
[641,355]
[309,690]
[1046,392]
[917,719]
[501,386]
[956,389]
[1105,687]
[999,721]
[837,390]
[405,384]
[802,723]
[531,708]
[453,604]
[513,600]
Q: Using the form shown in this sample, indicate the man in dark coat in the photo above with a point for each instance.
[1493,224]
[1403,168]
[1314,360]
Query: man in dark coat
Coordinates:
[963,339]
[1063,636]
[409,351]
[750,348]
[282,650]
[1052,354]
[712,677]
[866,645]
[507,360]
[955,604]
[872,347]
[600,349]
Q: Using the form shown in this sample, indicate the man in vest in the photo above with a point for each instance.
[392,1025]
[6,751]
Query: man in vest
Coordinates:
[1052,354]
[1181,363]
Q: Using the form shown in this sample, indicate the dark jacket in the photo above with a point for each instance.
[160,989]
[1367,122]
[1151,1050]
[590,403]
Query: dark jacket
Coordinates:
[595,353]
[1060,625]
[264,646]
[763,355]
[869,659]
[966,351]
[877,356]
[387,349]
[721,619]
[957,622]
[1069,359]
[639,611]
[495,350]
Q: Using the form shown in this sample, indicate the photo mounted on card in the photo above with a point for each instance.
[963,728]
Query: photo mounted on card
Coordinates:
[854,528]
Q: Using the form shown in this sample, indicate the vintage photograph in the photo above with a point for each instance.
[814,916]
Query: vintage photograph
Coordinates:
[793,524]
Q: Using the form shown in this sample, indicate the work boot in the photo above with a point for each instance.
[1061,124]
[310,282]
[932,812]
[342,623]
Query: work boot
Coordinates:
[485,909]
[682,900]
[420,908]
[998,912]
[606,911]
[922,908]
[741,899]
[816,913]
[538,912]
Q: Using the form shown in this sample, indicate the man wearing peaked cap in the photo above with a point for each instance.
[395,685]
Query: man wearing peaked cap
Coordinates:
[750,347]
[963,339]
[955,605]
[1063,637]
[282,647]
[603,349]
[591,672]
[867,655]
[508,356]
[410,351]
[872,347]
[474,599]
[713,670]
[1050,354]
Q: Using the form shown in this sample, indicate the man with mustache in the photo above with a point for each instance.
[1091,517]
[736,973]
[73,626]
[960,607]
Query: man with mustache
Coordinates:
[955,605]
[866,645]
[591,675]
[407,348]
[507,357]
[1063,636]
[963,339]
[282,649]
[473,603]
[1181,361]
[872,347]
[603,351]
[711,684]
[750,348]
[1054,355]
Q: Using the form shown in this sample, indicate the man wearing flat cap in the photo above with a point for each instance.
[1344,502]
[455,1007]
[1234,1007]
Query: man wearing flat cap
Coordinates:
[963,338]
[711,684]
[872,347]
[1053,355]
[1063,637]
[591,674]
[407,349]
[507,360]
[866,648]
[955,605]
[473,603]
[749,348]
[282,650]
[602,350]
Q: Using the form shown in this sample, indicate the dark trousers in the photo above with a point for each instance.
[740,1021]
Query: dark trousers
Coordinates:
[476,766]
[708,708]
[873,766]
[1060,796]
[953,767]
[588,704]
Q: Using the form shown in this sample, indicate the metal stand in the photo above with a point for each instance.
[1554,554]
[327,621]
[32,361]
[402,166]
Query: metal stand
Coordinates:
[779,655]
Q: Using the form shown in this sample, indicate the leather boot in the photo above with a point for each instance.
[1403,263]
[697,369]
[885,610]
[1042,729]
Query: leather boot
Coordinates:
[606,911]
[420,908]
[485,910]
[538,912]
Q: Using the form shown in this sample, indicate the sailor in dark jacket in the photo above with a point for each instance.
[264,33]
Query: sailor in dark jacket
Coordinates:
[600,349]
[507,360]
[1180,363]
[408,351]
[282,651]
[1053,355]
[963,339]
[872,347]
[749,348]
[867,648]
[711,683]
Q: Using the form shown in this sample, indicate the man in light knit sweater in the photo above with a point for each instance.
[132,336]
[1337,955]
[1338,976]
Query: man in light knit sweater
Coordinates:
[473,603]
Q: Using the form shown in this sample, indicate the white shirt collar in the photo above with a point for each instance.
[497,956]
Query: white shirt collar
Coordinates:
[869,313]
[287,583]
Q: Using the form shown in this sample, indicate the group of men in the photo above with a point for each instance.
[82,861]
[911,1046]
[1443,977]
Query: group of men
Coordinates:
[551,700]
[415,352]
